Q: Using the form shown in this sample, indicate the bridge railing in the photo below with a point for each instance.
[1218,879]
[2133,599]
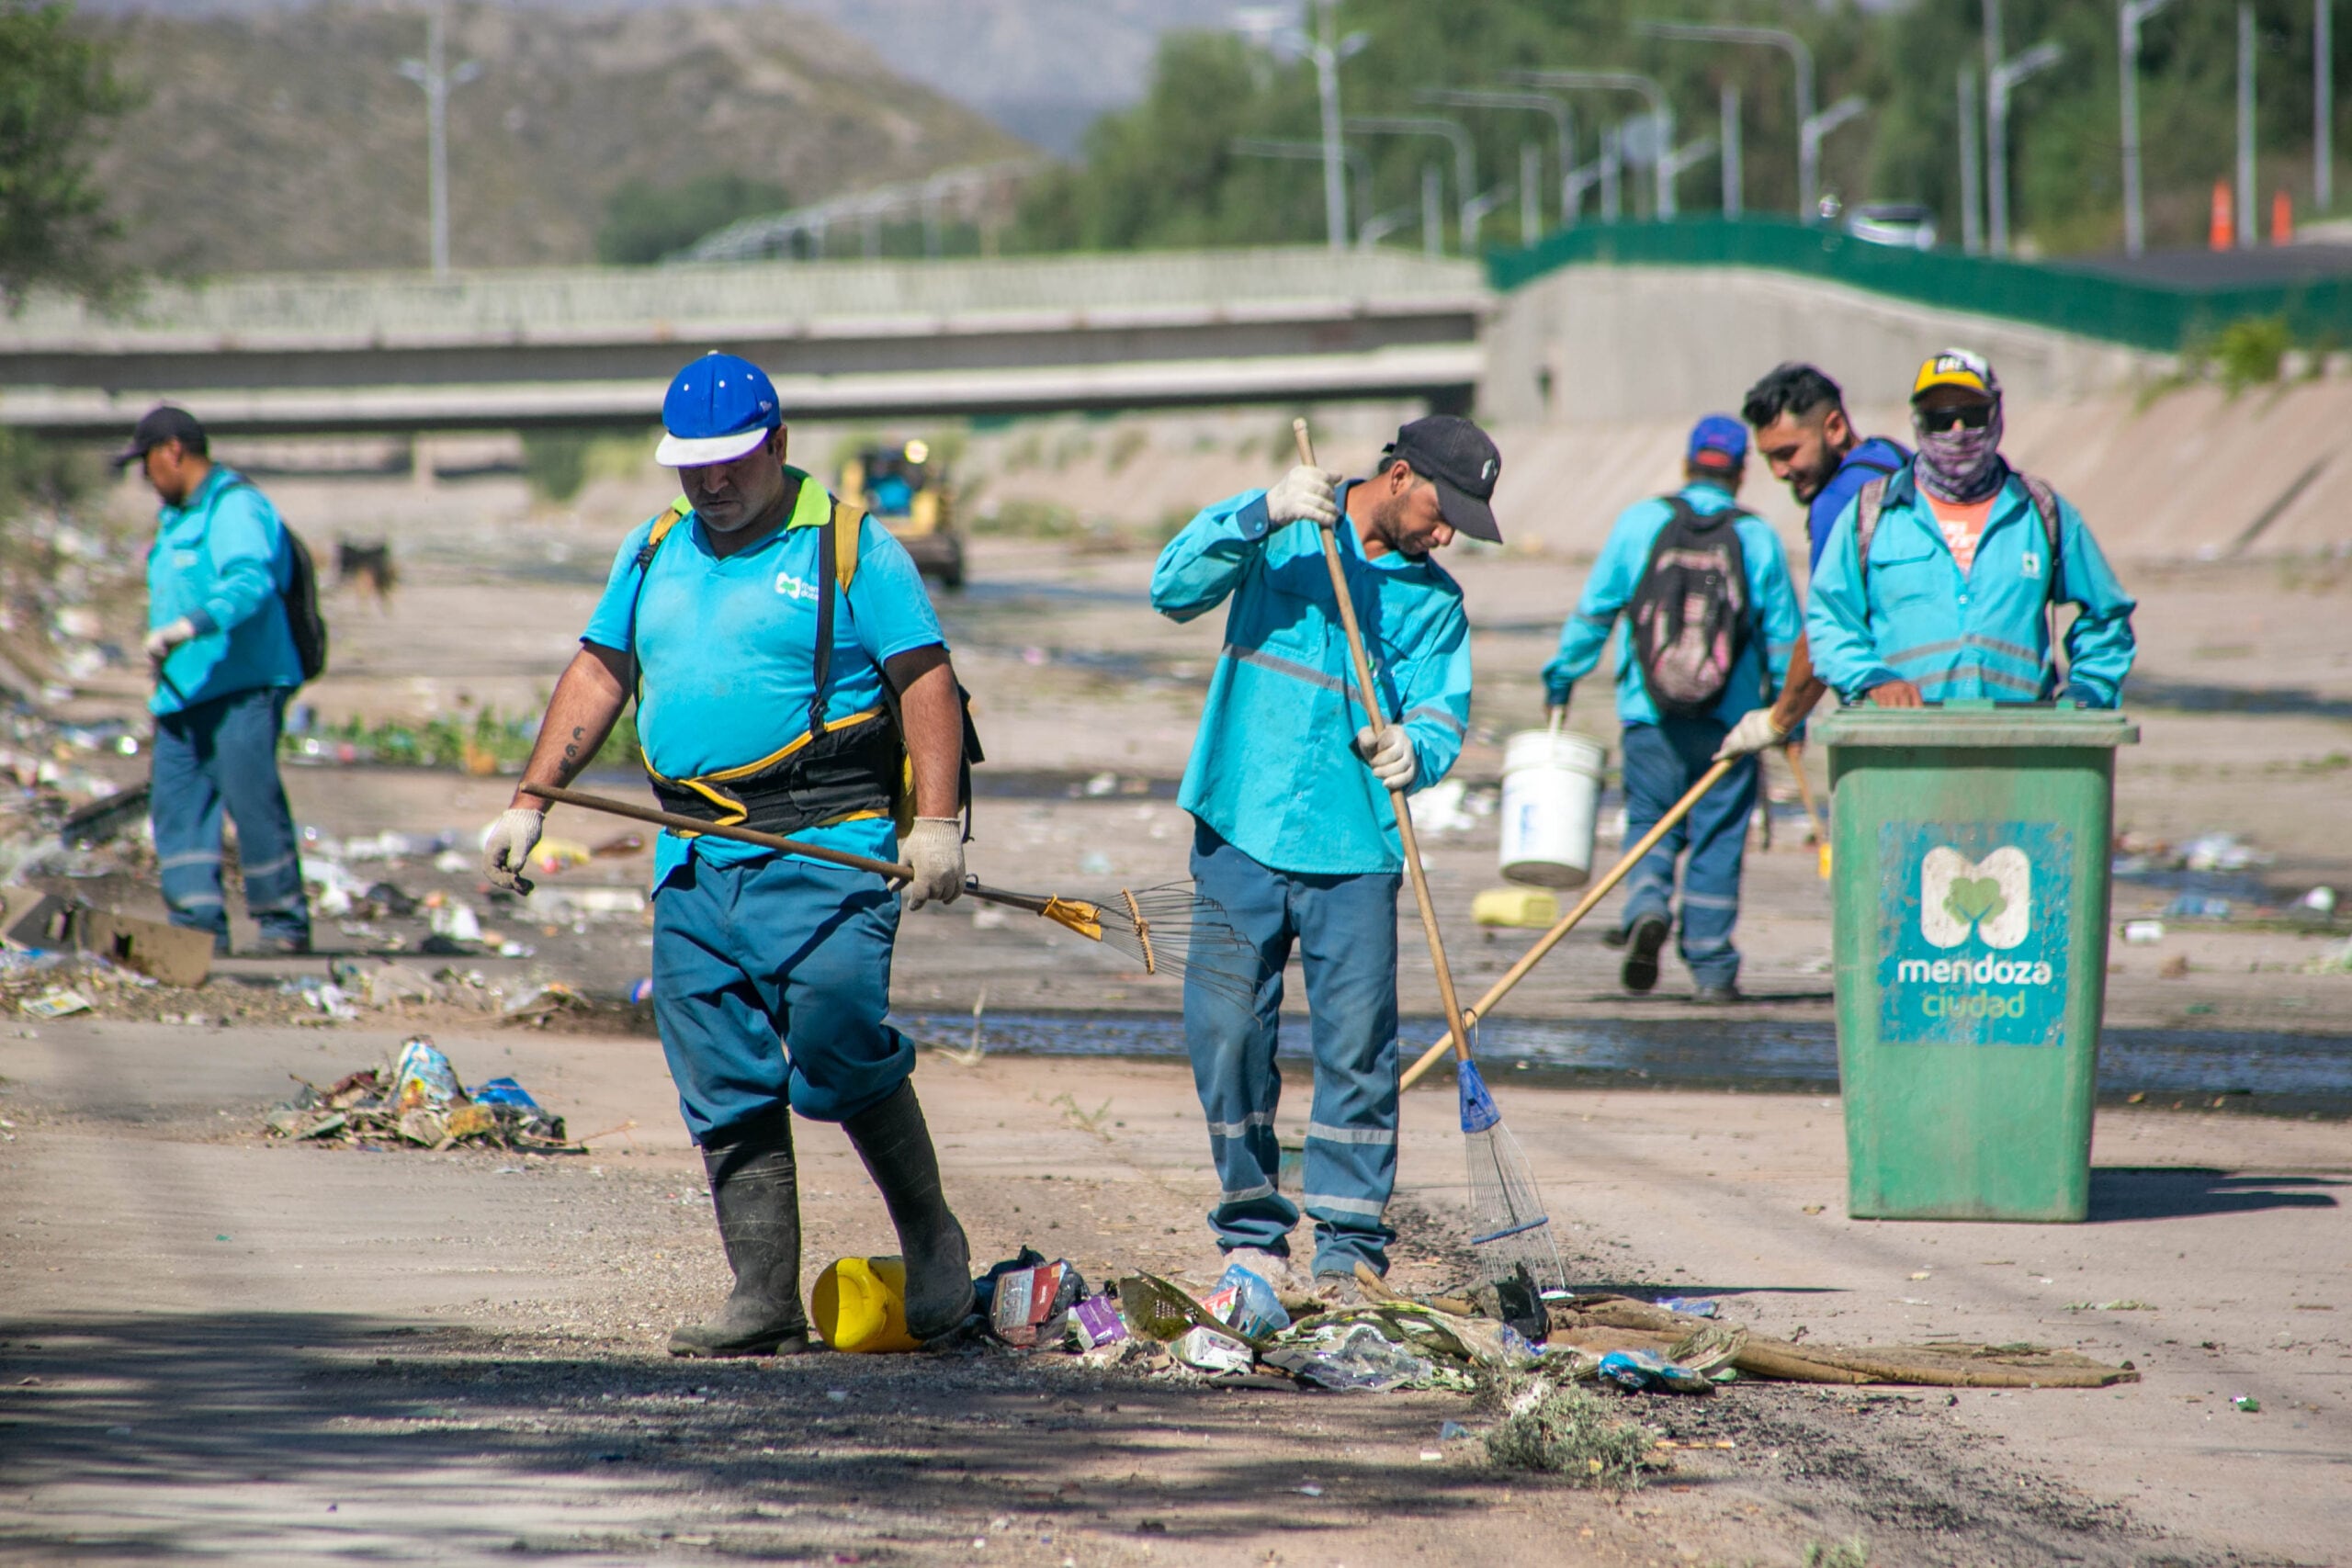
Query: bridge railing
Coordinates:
[2115,310]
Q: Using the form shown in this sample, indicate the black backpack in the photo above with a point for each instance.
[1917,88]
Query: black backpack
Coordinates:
[299,596]
[1690,615]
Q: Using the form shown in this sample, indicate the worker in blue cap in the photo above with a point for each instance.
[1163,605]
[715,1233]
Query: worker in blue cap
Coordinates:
[791,678]
[1710,618]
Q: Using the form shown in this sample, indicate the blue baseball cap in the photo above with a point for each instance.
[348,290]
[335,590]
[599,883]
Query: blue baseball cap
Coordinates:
[718,408]
[1718,441]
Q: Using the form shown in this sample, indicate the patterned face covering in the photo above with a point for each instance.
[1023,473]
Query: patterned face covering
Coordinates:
[1960,465]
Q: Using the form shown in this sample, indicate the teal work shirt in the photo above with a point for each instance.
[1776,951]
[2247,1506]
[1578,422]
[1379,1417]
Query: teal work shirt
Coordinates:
[1273,769]
[223,561]
[728,648]
[1617,575]
[1984,633]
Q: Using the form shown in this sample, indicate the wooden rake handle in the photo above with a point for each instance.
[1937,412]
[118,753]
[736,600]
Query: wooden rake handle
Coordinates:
[1567,923]
[1377,717]
[611,807]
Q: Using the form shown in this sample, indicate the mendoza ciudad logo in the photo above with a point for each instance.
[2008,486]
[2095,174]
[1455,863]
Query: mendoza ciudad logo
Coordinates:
[1975,932]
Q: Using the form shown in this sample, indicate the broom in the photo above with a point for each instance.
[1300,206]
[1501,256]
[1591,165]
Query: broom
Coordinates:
[1567,923]
[1171,931]
[1510,1233]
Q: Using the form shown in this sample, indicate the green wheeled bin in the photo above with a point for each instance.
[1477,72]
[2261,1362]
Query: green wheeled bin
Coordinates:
[1970,852]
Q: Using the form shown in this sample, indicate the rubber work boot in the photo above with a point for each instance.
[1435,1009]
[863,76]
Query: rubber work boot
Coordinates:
[756,1188]
[895,1144]
[1643,941]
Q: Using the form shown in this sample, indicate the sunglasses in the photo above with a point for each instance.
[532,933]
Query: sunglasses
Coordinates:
[1968,416]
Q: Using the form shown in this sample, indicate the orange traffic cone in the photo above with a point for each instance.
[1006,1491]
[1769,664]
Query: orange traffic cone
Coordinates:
[2225,234]
[2282,219]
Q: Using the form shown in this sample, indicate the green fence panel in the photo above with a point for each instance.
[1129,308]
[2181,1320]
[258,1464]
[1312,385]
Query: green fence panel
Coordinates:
[2115,310]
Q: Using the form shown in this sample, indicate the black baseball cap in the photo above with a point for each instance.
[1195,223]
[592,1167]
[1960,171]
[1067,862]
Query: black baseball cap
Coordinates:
[1457,456]
[161,424]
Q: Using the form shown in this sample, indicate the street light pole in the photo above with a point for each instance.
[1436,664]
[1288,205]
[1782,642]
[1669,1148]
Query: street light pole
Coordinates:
[1728,100]
[2128,17]
[2246,125]
[1465,161]
[1800,54]
[1810,134]
[432,75]
[1564,129]
[2323,105]
[2004,79]
[1661,116]
[1972,207]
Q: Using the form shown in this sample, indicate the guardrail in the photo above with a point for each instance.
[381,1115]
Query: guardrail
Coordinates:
[2145,315]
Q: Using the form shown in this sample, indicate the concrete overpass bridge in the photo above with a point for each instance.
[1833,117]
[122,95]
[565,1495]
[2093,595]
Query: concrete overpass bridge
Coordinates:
[595,346]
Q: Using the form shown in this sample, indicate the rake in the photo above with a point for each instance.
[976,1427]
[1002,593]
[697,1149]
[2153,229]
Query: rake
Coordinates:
[1509,1231]
[1171,931]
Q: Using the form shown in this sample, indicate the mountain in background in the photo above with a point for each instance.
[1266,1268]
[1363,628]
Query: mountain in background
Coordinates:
[278,137]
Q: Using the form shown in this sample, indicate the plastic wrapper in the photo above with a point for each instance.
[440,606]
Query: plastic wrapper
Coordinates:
[1212,1350]
[422,1078]
[1351,1357]
[1096,1321]
[1027,1304]
[1244,1301]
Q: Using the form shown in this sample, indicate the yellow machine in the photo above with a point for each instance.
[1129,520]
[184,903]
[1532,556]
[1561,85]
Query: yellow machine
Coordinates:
[904,491]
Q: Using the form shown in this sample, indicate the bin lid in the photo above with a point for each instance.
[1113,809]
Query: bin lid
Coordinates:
[1977,724]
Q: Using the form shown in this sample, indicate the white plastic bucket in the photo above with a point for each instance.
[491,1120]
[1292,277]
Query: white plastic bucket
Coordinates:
[1551,792]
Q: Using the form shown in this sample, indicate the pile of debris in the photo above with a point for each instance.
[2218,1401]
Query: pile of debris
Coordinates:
[414,1098]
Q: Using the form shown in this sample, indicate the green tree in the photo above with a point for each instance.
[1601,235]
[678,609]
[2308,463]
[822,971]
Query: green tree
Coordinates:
[645,221]
[58,92]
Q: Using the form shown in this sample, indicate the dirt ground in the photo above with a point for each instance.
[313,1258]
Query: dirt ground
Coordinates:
[223,1346]
[216,1344]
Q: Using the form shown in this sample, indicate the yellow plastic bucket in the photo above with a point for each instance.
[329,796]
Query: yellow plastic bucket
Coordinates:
[860,1305]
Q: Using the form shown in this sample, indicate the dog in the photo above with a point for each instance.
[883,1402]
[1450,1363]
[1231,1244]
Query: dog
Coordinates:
[370,566]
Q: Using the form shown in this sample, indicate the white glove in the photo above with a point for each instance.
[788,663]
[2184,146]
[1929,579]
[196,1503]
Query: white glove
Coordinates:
[1389,754]
[167,636]
[1754,732]
[1305,492]
[935,850]
[506,846]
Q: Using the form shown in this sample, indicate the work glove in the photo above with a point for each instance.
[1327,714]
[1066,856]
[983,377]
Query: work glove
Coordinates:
[506,846]
[935,849]
[167,636]
[1305,493]
[1389,754]
[1754,732]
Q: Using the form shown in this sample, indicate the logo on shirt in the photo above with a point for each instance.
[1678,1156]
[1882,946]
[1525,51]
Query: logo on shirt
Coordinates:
[791,587]
[2030,563]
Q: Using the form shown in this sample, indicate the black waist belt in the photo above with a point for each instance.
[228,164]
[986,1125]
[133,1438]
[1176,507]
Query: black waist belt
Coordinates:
[853,770]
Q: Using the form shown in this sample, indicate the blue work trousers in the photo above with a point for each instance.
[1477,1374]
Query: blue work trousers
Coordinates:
[222,753]
[771,979]
[1345,927]
[1662,762]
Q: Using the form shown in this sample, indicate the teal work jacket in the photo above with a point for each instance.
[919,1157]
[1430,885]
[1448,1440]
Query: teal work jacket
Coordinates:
[1273,769]
[1617,575]
[221,560]
[1915,617]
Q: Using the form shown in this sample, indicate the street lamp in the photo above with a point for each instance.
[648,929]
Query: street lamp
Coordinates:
[1810,134]
[2128,17]
[1466,160]
[1359,166]
[432,75]
[2246,125]
[1661,116]
[1971,208]
[2004,79]
[1326,50]
[2323,104]
[1799,52]
[1564,128]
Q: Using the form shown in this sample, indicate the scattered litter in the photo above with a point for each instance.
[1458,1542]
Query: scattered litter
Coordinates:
[415,1097]
[58,1001]
[545,1003]
[2248,1403]
[2320,900]
[1209,1350]
[1530,908]
[1026,1304]
[1243,1301]
[2221,851]
[614,849]
[1095,1322]
[1642,1370]
[1447,1431]
[1688,1306]
[1441,808]
[1354,1355]
[2144,932]
[2197,907]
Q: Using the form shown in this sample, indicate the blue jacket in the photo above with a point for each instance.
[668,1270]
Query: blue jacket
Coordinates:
[221,560]
[1624,562]
[1273,769]
[1870,459]
[1913,616]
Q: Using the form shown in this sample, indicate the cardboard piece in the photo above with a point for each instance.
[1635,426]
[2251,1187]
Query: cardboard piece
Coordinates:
[173,954]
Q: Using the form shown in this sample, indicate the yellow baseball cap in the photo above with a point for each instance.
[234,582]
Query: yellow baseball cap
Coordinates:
[1955,367]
